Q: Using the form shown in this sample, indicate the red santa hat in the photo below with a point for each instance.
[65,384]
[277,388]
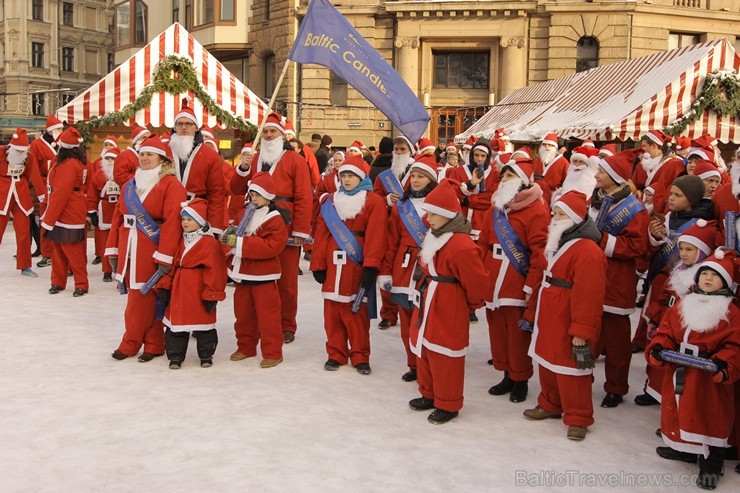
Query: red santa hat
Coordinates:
[276,121]
[207,133]
[355,146]
[502,159]
[424,144]
[263,184]
[585,154]
[19,141]
[702,149]
[443,200]
[353,164]
[701,234]
[70,138]
[608,150]
[469,143]
[405,140]
[53,123]
[137,133]
[247,147]
[648,189]
[196,209]
[706,169]
[112,140]
[657,137]
[451,148]
[683,143]
[723,263]
[500,133]
[498,145]
[426,164]
[155,145]
[711,140]
[166,136]
[113,152]
[289,129]
[619,166]
[186,112]
[573,204]
[551,139]
[588,143]
[522,153]
[523,168]
[213,143]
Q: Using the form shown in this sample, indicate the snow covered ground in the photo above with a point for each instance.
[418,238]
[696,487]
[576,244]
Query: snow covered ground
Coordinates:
[75,420]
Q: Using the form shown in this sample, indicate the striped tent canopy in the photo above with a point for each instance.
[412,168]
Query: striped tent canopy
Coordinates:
[619,101]
[124,85]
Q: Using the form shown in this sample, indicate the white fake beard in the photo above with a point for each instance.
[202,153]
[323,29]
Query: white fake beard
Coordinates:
[431,245]
[506,192]
[56,133]
[182,146]
[735,177]
[146,179]
[16,158]
[348,206]
[582,179]
[682,280]
[270,150]
[399,163]
[547,155]
[107,166]
[702,312]
[256,221]
[554,232]
[649,164]
[509,148]
[721,165]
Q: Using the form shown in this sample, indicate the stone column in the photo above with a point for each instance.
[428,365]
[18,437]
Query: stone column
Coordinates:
[407,62]
[512,67]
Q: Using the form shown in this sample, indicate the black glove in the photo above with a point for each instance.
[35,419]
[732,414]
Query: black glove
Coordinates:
[113,261]
[210,305]
[369,278]
[93,216]
[163,269]
[319,276]
[655,352]
[525,325]
[584,358]
[164,297]
[721,374]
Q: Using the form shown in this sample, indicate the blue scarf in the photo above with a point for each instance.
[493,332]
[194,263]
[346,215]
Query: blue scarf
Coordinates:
[365,184]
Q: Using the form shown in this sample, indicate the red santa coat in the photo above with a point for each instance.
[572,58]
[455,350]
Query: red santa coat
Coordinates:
[137,254]
[292,189]
[563,313]
[102,197]
[663,174]
[313,166]
[554,173]
[442,323]
[14,184]
[507,287]
[477,202]
[43,155]
[704,413]
[125,166]
[724,201]
[343,276]
[203,177]
[622,253]
[199,275]
[380,191]
[402,252]
[67,207]
[255,256]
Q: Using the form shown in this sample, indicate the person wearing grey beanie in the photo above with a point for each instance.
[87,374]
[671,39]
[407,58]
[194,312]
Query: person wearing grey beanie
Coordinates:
[692,188]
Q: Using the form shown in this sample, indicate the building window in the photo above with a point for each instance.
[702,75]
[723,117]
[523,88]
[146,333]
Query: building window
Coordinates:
[141,23]
[205,13]
[465,70]
[680,40]
[37,10]
[338,94]
[37,103]
[67,14]
[111,62]
[68,59]
[67,98]
[587,53]
[227,10]
[37,55]
[91,62]
[126,34]
[188,14]
[269,75]
[175,10]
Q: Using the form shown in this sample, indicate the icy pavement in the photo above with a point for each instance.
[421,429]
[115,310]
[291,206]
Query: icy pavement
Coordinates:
[76,420]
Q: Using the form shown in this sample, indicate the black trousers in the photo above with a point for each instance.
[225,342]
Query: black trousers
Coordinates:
[176,344]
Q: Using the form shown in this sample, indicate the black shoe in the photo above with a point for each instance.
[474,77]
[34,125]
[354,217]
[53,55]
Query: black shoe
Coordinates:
[331,365]
[440,416]
[288,336]
[708,480]
[54,289]
[97,260]
[409,376]
[119,355]
[108,277]
[421,404]
[637,349]
[385,324]
[206,363]
[175,365]
[490,362]
[473,318]
[519,392]
[710,468]
[79,292]
[658,433]
[306,255]
[363,369]
[503,387]
[646,400]
[671,454]
[147,357]
[44,262]
[300,271]
[611,400]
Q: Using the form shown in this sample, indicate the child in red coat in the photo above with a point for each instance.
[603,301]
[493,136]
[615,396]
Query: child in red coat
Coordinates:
[255,268]
[102,196]
[197,282]
[697,406]
[451,285]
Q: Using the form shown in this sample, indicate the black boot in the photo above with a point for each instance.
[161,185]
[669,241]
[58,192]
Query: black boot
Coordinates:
[710,469]
[611,400]
[54,289]
[646,400]
[519,392]
[440,416]
[672,454]
[503,387]
[421,404]
[176,345]
[409,376]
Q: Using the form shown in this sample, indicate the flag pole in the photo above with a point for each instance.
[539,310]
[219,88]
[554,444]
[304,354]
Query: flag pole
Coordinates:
[269,106]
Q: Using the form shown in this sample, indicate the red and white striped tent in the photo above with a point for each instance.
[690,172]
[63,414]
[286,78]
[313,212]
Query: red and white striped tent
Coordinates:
[124,84]
[619,101]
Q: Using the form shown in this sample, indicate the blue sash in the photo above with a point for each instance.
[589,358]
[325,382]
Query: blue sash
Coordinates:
[668,253]
[510,243]
[144,222]
[623,214]
[412,221]
[390,182]
[341,233]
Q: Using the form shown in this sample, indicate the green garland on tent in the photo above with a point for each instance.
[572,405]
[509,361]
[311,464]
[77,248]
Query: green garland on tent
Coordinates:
[721,94]
[174,75]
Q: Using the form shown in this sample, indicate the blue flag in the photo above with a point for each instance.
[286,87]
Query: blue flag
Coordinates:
[326,38]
